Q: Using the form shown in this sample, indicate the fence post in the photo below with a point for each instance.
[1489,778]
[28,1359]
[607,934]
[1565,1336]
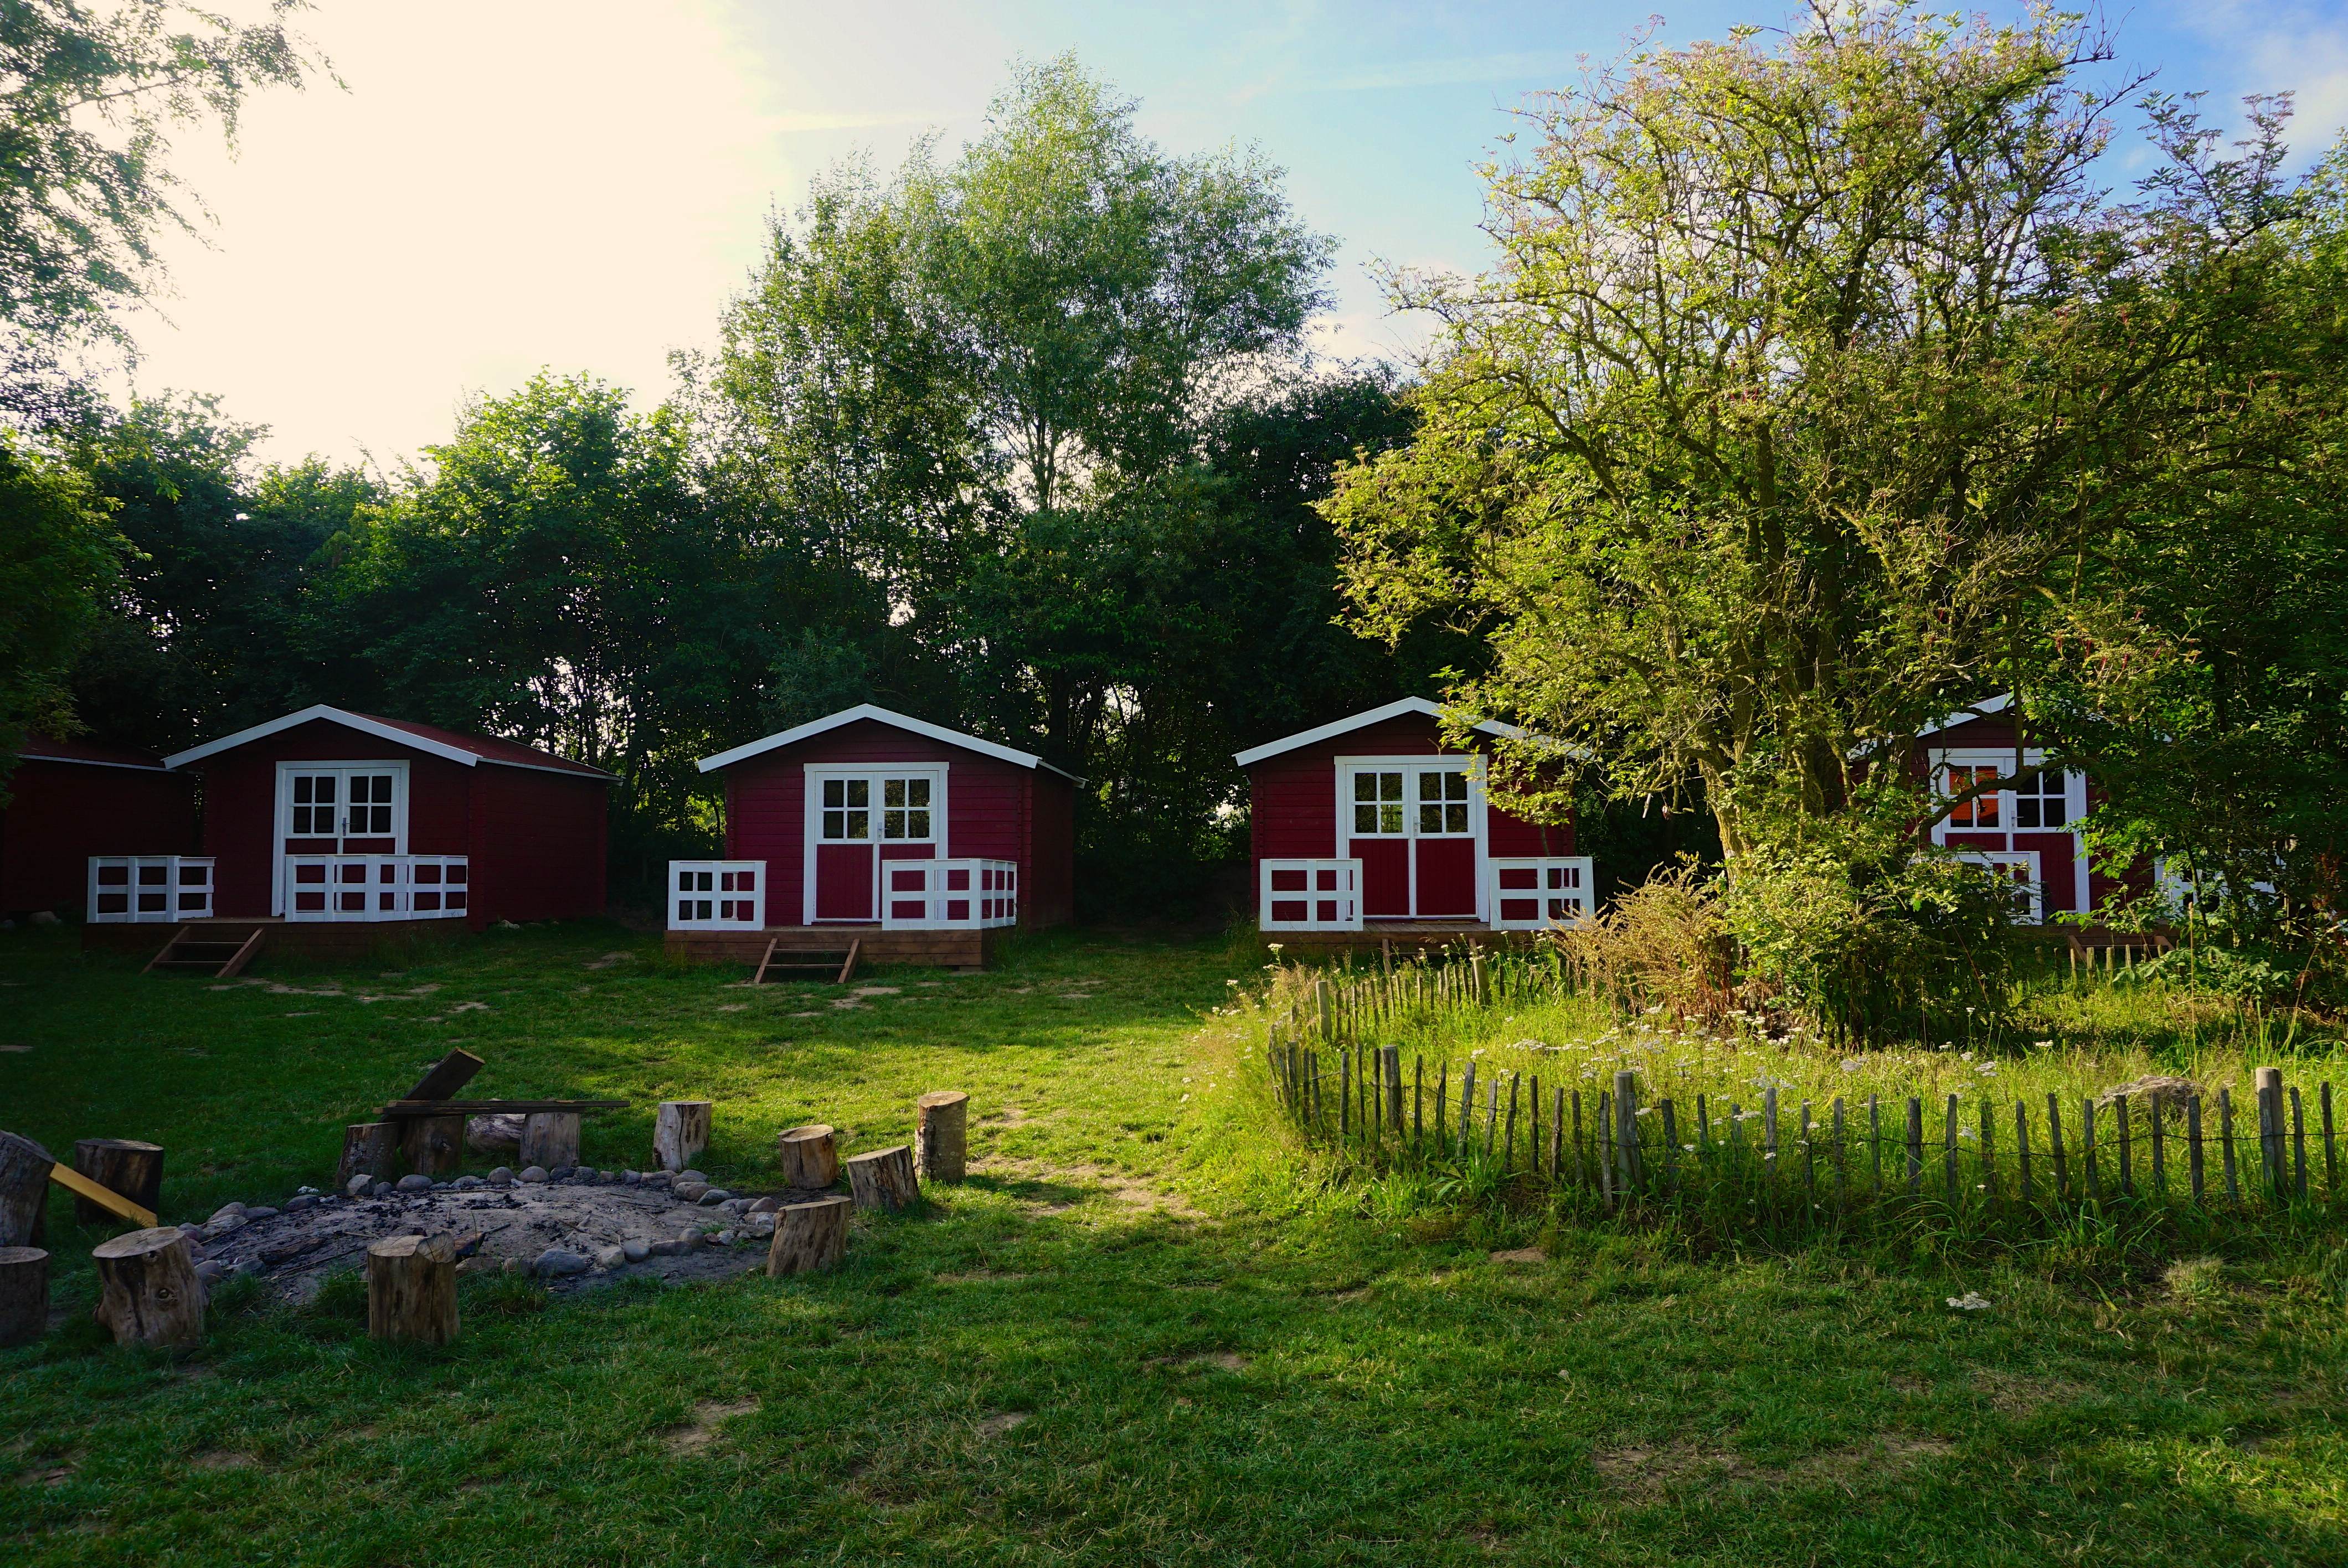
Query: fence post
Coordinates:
[2087,1144]
[2022,1149]
[2270,1086]
[1915,1144]
[2127,1162]
[1344,1095]
[2054,1146]
[1508,1149]
[1556,1132]
[2298,1144]
[2193,1146]
[1390,1074]
[1467,1107]
[2226,1143]
[1626,1125]
[1482,981]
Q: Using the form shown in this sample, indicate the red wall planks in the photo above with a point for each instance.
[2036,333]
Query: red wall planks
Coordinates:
[64,813]
[991,813]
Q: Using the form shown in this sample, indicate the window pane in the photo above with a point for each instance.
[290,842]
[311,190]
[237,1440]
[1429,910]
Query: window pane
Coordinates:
[892,823]
[893,791]
[860,792]
[1430,786]
[326,790]
[1455,819]
[917,793]
[1430,819]
[302,789]
[1366,813]
[917,825]
[835,824]
[834,792]
[1455,786]
[1390,818]
[860,824]
[1390,786]
[1365,787]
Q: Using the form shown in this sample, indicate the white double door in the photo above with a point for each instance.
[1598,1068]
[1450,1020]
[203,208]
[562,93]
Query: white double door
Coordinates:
[338,808]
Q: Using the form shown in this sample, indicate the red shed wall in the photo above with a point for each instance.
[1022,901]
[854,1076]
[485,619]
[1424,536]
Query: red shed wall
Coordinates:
[1998,732]
[1050,898]
[538,844]
[64,813]
[1293,797]
[989,804]
[240,807]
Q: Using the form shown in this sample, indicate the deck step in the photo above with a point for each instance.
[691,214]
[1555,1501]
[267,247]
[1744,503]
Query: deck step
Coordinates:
[221,957]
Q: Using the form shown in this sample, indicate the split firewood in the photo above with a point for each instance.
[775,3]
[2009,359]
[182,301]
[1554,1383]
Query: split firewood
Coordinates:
[148,1290]
[122,1166]
[883,1179]
[809,1235]
[370,1149]
[809,1157]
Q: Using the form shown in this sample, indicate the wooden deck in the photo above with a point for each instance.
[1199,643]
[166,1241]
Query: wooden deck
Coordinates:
[306,939]
[964,949]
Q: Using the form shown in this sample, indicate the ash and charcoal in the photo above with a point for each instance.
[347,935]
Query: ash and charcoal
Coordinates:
[571,1228]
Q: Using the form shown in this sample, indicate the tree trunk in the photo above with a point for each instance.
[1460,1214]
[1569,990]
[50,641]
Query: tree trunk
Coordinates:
[680,1132]
[808,1236]
[24,1295]
[148,1290]
[434,1145]
[810,1159]
[24,1190]
[367,1150]
[412,1289]
[550,1140]
[941,1134]
[123,1166]
[883,1179]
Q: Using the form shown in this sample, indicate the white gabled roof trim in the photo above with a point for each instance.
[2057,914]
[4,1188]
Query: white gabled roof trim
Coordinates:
[1393,710]
[1980,709]
[362,724]
[879,714]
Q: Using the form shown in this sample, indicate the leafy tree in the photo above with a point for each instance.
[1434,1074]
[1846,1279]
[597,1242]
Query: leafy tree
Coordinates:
[58,554]
[1806,367]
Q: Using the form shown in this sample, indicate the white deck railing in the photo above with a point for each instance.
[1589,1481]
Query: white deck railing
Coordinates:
[377,886]
[949,895]
[1310,896]
[716,895]
[149,889]
[1533,893]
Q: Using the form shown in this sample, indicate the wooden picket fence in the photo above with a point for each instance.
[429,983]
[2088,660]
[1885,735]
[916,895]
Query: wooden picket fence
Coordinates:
[1973,1154]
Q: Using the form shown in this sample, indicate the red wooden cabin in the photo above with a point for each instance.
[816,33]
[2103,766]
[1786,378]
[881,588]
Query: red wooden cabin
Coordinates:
[325,818]
[75,799]
[1371,825]
[2028,833]
[912,839]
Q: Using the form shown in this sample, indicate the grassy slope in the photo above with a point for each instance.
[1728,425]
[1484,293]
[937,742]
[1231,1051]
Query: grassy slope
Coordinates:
[1251,1370]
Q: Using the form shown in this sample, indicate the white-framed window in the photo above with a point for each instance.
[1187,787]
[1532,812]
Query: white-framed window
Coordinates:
[1443,803]
[905,810]
[1987,826]
[1379,811]
[847,810]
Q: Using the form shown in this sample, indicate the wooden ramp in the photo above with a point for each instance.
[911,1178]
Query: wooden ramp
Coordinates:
[206,950]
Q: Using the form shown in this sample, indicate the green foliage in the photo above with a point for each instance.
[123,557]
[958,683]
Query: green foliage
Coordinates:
[94,94]
[59,553]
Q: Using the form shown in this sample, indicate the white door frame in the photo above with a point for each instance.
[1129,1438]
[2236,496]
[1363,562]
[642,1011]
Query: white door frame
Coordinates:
[811,823]
[282,816]
[1469,762]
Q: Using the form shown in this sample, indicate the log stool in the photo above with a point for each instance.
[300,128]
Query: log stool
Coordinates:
[550,1140]
[680,1132]
[810,1159]
[941,1134]
[369,1149]
[434,1145]
[412,1289]
[24,1295]
[808,1236]
[24,1190]
[123,1166]
[148,1290]
[883,1179]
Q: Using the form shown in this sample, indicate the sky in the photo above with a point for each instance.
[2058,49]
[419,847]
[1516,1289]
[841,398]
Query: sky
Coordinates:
[499,186]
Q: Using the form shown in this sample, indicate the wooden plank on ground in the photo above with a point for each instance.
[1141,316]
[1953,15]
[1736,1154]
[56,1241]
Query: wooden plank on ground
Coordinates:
[760,978]
[450,1074]
[848,965]
[107,1198]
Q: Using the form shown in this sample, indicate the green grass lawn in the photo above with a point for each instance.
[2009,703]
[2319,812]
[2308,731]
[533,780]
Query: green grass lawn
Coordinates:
[1149,1330]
